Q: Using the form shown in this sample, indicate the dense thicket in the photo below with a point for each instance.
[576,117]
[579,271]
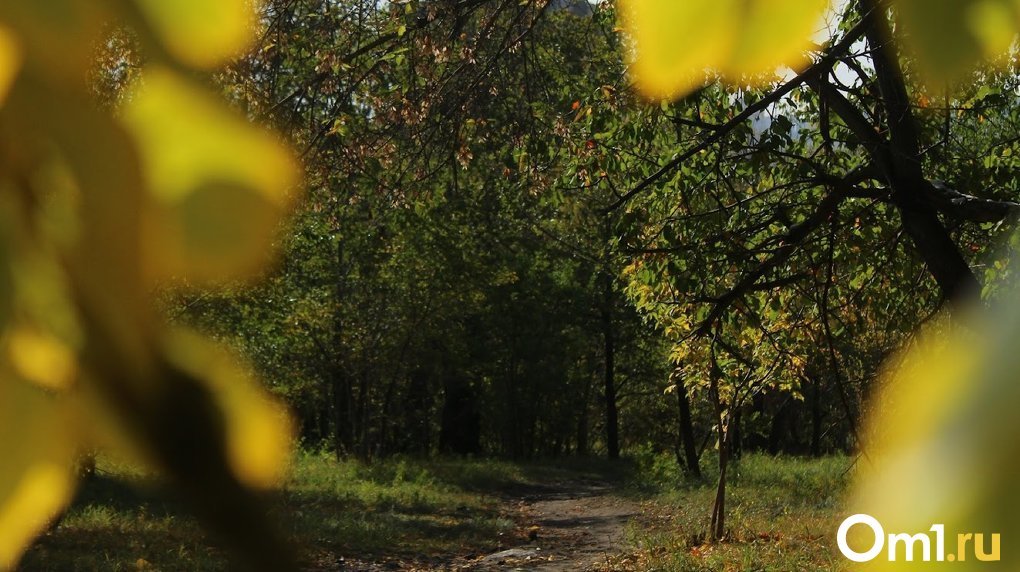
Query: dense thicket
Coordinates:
[504,251]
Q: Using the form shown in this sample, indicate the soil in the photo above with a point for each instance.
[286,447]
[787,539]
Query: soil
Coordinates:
[570,526]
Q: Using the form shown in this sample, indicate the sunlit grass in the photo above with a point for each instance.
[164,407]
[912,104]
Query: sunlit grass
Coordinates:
[393,510]
[782,515]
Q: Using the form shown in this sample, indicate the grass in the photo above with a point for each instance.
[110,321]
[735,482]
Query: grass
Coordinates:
[395,510]
[782,514]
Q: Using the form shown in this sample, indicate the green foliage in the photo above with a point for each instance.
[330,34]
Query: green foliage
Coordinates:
[399,510]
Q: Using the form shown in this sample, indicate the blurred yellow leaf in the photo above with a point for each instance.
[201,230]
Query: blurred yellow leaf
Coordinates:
[36,477]
[220,184]
[259,434]
[6,281]
[10,60]
[943,446]
[950,37]
[55,34]
[201,33]
[41,358]
[678,43]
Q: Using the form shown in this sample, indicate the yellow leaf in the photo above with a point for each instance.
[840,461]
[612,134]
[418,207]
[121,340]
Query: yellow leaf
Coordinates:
[201,33]
[53,33]
[678,43]
[36,477]
[219,184]
[41,358]
[259,433]
[942,445]
[6,280]
[950,37]
[774,33]
[10,60]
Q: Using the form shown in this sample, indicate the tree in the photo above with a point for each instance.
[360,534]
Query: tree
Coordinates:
[848,159]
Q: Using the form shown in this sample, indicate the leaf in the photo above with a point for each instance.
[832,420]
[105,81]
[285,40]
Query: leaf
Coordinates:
[677,44]
[36,477]
[51,35]
[220,185]
[259,433]
[942,446]
[950,37]
[6,280]
[200,33]
[41,358]
[10,61]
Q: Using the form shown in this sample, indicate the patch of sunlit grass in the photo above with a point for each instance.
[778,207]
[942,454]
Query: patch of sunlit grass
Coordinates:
[782,514]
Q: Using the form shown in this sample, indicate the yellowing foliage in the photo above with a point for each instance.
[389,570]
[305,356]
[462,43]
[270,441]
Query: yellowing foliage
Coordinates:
[941,439]
[201,33]
[219,184]
[677,44]
[96,209]
[38,456]
[10,61]
[950,36]
[680,46]
[941,446]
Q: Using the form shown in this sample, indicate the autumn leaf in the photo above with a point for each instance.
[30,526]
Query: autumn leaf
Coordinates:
[200,33]
[219,185]
[679,45]
[950,37]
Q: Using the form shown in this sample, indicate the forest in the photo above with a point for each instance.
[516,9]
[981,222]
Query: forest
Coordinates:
[445,256]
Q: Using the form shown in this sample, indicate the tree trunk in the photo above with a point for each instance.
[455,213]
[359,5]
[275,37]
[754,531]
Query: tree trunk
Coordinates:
[685,430]
[901,162]
[339,381]
[719,508]
[583,420]
[461,423]
[612,416]
[718,525]
[816,417]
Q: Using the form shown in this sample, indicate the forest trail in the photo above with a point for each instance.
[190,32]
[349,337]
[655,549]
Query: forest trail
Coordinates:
[573,525]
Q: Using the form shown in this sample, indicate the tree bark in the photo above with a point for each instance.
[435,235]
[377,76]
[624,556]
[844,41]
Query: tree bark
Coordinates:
[718,525]
[608,338]
[685,430]
[340,383]
[816,416]
[901,162]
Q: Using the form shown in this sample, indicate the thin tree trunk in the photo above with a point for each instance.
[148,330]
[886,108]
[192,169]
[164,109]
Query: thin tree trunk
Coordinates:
[719,508]
[612,416]
[685,428]
[718,525]
[816,417]
[339,381]
[583,419]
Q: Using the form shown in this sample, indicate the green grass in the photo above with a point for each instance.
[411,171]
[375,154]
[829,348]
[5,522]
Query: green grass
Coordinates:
[397,510]
[782,515]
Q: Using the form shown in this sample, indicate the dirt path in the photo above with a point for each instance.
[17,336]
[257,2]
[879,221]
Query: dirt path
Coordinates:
[572,525]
